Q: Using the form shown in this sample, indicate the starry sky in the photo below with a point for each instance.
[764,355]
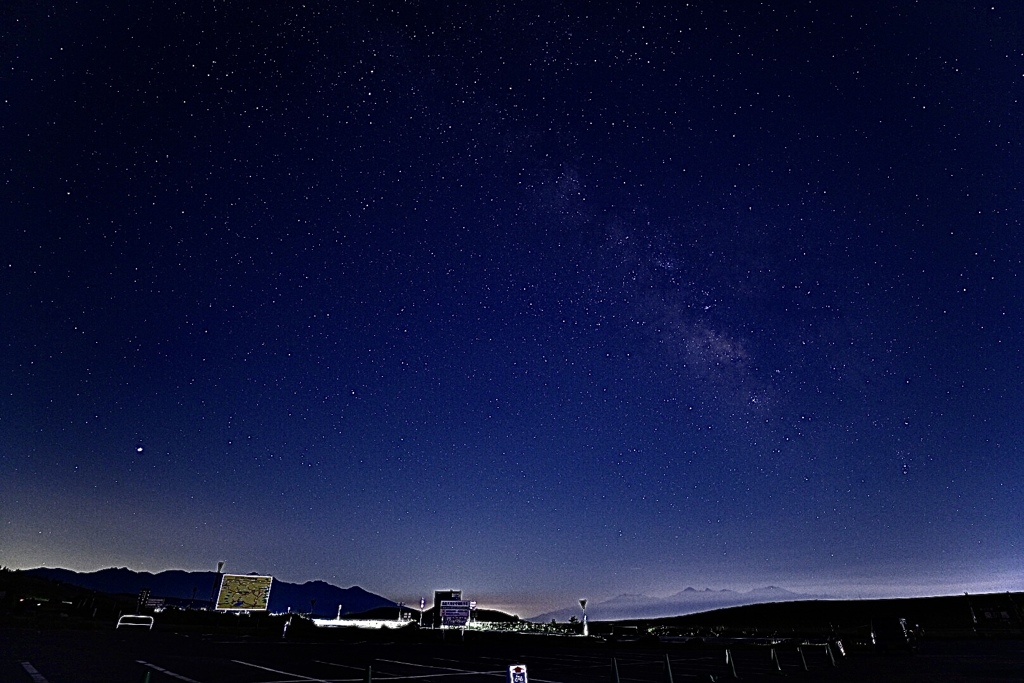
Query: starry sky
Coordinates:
[538,300]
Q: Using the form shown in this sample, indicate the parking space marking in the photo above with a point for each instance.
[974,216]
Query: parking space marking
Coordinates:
[36,676]
[154,667]
[389,677]
[294,677]
[451,671]
[341,666]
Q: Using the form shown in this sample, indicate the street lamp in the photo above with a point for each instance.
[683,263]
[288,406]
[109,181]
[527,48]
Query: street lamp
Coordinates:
[583,604]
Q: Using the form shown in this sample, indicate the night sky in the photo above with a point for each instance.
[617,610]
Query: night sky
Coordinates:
[538,300]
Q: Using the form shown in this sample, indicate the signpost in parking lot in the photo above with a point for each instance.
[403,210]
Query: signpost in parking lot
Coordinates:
[516,674]
[455,612]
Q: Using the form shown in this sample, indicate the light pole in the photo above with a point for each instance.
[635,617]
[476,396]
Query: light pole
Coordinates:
[583,604]
[216,583]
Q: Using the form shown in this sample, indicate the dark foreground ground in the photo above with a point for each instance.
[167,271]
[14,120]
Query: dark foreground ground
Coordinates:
[108,656]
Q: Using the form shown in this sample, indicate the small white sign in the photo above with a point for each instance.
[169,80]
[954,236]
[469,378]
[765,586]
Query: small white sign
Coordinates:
[517,674]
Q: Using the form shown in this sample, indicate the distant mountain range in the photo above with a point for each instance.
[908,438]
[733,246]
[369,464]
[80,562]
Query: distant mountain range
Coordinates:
[322,599]
[183,587]
[687,601]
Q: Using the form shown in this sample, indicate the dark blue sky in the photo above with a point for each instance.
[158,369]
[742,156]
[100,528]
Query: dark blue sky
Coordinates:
[536,300]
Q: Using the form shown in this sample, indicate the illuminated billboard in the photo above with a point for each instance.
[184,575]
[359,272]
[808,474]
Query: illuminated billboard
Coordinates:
[455,612]
[244,593]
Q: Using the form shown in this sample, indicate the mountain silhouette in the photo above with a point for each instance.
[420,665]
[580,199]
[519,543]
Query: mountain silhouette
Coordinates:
[198,588]
[687,601]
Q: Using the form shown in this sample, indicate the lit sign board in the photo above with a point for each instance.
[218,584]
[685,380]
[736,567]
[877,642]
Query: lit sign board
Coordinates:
[455,612]
[244,593]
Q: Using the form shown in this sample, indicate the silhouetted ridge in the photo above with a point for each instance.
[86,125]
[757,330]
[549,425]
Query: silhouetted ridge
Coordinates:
[318,597]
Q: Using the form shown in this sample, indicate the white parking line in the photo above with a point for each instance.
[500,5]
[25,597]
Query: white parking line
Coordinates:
[445,674]
[346,666]
[298,677]
[452,672]
[36,676]
[442,668]
[154,667]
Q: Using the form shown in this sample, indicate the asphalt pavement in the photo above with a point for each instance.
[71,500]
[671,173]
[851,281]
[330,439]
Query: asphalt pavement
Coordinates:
[142,656]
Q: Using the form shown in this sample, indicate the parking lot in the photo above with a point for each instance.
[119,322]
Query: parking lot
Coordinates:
[69,656]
